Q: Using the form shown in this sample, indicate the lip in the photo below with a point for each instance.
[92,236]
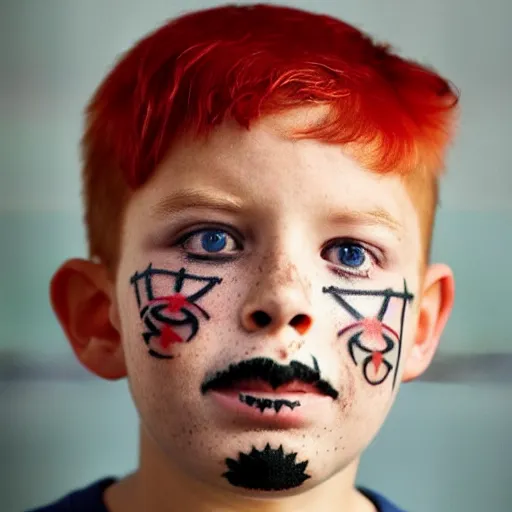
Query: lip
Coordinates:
[296,409]
[261,386]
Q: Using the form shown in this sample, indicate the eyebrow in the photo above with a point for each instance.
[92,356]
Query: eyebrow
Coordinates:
[215,200]
[377,216]
[196,198]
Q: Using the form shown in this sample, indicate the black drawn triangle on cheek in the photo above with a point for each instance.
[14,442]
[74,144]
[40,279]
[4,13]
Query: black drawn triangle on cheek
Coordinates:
[168,315]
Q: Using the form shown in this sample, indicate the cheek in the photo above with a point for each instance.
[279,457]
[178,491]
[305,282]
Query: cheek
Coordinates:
[173,331]
[171,306]
[372,328]
[409,333]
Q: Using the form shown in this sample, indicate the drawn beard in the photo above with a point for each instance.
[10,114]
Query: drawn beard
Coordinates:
[266,470]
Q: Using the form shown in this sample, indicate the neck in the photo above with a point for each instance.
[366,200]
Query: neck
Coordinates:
[158,485]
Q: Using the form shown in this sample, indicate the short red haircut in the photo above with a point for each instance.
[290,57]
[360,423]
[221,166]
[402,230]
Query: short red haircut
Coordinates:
[246,62]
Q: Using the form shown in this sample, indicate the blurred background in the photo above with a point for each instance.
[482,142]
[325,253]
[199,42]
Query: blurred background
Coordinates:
[446,446]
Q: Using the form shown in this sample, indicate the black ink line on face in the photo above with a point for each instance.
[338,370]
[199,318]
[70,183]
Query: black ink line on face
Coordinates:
[267,403]
[151,352]
[408,297]
[161,315]
[315,364]
[266,470]
[374,357]
[354,342]
[268,371]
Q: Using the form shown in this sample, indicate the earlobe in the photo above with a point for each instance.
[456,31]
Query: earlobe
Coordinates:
[81,299]
[436,303]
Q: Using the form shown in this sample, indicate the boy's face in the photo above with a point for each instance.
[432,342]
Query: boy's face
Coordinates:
[267,297]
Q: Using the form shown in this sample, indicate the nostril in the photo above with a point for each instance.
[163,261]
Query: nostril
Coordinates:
[261,319]
[301,323]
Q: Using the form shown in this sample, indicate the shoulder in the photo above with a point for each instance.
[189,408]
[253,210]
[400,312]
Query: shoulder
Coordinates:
[86,499]
[381,503]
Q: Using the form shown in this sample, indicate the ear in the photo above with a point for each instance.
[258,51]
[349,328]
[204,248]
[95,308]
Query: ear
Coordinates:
[434,310]
[82,298]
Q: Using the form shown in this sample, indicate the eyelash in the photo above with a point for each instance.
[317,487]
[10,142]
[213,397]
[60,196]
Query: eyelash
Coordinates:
[338,269]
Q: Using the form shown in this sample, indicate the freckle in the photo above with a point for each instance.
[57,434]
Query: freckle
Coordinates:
[282,353]
[190,431]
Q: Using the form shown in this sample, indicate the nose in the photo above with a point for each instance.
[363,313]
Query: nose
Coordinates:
[277,301]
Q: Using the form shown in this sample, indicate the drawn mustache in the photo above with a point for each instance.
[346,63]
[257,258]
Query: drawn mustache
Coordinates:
[267,370]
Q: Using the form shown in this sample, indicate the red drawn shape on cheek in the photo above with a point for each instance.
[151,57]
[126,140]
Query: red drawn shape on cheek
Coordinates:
[169,337]
[373,328]
[175,302]
[377,360]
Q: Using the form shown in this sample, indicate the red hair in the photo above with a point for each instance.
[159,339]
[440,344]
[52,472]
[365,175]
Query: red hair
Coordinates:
[243,63]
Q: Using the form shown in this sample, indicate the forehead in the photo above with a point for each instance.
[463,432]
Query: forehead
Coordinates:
[264,168]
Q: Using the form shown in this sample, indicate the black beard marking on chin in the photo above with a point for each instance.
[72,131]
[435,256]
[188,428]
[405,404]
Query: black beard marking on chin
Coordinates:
[267,403]
[266,470]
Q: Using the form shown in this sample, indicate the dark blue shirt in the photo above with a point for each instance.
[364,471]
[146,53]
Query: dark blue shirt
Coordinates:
[90,499]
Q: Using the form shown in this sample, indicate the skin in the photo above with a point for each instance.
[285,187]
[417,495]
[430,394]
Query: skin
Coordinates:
[287,200]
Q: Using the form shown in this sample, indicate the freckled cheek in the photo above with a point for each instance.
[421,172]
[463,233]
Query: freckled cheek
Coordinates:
[348,394]
[362,405]
[224,305]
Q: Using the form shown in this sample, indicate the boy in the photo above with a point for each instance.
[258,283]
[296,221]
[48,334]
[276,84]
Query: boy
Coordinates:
[260,186]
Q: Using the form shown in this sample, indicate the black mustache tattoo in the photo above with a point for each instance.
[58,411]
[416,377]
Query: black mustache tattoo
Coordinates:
[267,370]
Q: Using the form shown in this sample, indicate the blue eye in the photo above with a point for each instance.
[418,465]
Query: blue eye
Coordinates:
[209,244]
[213,241]
[351,255]
[350,258]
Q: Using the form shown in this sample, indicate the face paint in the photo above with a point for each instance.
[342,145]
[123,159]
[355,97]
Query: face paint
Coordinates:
[267,403]
[261,393]
[267,470]
[270,376]
[170,318]
[372,344]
